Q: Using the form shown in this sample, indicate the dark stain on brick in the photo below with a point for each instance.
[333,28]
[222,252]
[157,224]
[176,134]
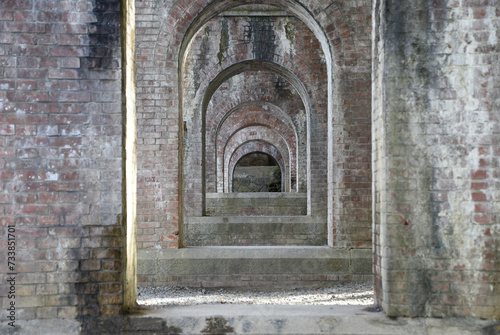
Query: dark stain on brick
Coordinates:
[126,325]
[104,36]
[420,293]
[224,40]
[260,32]
[202,59]
[282,89]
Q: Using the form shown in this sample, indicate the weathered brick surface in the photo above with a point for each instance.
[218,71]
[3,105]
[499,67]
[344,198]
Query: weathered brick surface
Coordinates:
[436,134]
[242,116]
[60,148]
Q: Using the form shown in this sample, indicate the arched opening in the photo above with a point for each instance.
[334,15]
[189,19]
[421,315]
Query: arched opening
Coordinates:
[236,96]
[298,143]
[228,101]
[257,172]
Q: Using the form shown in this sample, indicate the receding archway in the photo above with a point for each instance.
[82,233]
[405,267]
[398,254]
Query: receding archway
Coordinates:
[210,88]
[326,181]
[257,172]
[283,161]
[247,65]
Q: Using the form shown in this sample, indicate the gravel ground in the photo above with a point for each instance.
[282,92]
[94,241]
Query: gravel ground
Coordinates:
[339,294]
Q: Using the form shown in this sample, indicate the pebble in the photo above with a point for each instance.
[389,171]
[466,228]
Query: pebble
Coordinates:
[337,294]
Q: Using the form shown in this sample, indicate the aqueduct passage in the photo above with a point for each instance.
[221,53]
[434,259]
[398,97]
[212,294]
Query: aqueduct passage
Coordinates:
[256,78]
[130,131]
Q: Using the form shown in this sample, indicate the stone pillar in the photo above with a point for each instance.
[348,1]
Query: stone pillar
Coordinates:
[130,155]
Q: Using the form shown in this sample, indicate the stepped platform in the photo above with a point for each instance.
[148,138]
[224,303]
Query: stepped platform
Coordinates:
[255,319]
[257,266]
[256,204]
[255,231]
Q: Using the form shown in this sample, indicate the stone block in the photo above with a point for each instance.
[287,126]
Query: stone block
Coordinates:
[262,230]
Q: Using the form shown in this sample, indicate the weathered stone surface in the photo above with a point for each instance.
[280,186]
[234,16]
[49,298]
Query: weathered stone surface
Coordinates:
[254,266]
[264,230]
[265,319]
[256,204]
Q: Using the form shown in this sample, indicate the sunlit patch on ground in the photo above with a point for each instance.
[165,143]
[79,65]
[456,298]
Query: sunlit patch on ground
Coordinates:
[341,294]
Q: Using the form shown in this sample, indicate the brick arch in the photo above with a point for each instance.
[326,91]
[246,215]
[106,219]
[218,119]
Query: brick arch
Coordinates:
[305,70]
[224,101]
[254,65]
[220,106]
[242,116]
[241,67]
[196,181]
[236,122]
[169,49]
[291,146]
[328,21]
[243,136]
[186,17]
[264,147]
[323,149]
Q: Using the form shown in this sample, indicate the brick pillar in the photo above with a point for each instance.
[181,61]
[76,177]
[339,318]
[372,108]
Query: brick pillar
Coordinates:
[61,156]
[436,135]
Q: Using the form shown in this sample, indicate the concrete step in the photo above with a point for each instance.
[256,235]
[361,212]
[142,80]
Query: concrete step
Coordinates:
[255,231]
[256,204]
[275,319]
[252,266]
[254,319]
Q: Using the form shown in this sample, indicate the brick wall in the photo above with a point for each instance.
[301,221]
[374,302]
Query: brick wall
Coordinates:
[436,135]
[60,156]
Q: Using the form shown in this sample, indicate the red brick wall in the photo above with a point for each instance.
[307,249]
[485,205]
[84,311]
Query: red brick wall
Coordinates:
[60,156]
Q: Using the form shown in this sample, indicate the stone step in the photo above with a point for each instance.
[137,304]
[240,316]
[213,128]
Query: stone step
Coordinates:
[255,231]
[260,319]
[228,319]
[252,266]
[256,204]
[274,319]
